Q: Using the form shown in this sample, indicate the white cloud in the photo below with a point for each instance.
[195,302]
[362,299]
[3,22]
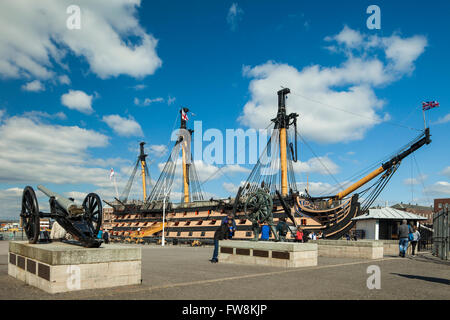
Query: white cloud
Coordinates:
[64,79]
[322,165]
[444,119]
[349,37]
[440,188]
[34,38]
[231,187]
[234,16]
[446,172]
[34,86]
[336,103]
[415,181]
[78,100]
[314,188]
[158,150]
[147,101]
[33,152]
[38,115]
[123,126]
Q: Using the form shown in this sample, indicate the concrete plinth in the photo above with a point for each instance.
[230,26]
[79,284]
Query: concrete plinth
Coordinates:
[364,249]
[60,267]
[275,254]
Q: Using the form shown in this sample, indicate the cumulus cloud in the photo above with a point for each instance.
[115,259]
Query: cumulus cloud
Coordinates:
[78,100]
[34,86]
[440,188]
[335,103]
[34,38]
[158,150]
[64,79]
[123,126]
[234,16]
[323,165]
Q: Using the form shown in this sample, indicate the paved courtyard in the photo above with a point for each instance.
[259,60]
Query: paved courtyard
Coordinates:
[180,272]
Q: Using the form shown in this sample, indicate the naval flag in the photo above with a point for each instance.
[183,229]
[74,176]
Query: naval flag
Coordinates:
[429,104]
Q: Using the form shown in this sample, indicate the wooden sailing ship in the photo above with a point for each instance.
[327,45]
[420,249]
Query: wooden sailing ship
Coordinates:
[195,219]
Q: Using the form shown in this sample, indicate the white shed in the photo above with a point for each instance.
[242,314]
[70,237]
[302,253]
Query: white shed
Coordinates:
[382,224]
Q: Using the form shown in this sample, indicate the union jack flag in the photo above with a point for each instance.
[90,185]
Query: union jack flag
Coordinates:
[184,115]
[429,104]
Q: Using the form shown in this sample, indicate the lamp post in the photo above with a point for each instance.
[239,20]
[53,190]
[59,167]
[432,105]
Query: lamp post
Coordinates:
[164,214]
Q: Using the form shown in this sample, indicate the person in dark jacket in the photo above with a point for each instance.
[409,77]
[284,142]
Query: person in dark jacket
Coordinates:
[403,233]
[282,229]
[106,236]
[224,232]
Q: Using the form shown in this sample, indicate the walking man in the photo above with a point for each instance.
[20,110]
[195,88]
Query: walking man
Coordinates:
[403,233]
[416,238]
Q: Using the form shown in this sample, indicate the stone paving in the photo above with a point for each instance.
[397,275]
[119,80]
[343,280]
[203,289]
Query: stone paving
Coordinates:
[181,272]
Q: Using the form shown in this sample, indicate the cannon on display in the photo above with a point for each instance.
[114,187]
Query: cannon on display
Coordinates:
[81,222]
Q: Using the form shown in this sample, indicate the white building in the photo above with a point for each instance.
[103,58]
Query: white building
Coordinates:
[382,224]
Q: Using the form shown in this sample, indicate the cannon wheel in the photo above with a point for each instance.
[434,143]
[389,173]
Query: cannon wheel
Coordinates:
[30,214]
[93,211]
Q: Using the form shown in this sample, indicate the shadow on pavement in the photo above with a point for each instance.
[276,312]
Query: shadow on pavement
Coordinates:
[430,279]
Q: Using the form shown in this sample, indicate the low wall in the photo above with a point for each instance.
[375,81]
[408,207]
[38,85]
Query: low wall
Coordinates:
[363,249]
[59,267]
[269,253]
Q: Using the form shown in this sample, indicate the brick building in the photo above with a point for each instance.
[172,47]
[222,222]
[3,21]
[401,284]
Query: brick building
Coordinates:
[423,211]
[440,204]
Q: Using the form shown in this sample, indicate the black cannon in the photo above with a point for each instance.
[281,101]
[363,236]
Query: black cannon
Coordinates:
[82,222]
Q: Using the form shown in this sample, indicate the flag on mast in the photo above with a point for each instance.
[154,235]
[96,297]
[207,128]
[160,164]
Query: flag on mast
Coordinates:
[111,174]
[429,104]
[184,115]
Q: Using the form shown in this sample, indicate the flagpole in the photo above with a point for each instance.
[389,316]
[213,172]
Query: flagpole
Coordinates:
[424,122]
[115,186]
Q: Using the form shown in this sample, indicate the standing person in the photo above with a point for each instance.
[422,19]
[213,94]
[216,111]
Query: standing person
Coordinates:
[106,236]
[299,235]
[416,238]
[100,234]
[403,233]
[265,232]
[229,217]
[222,233]
[282,229]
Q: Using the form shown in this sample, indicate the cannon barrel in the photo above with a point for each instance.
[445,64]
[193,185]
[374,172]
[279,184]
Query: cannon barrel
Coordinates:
[65,203]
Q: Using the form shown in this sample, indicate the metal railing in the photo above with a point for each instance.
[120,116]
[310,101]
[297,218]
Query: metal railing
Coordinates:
[441,234]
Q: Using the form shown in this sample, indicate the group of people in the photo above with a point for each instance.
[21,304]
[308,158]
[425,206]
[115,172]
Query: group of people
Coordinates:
[304,236]
[407,234]
[227,229]
[103,234]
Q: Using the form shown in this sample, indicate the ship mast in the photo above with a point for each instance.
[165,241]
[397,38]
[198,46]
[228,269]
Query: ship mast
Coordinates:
[142,157]
[282,123]
[184,150]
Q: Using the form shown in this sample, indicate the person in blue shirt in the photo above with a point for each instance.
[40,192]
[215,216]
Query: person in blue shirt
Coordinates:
[100,234]
[265,232]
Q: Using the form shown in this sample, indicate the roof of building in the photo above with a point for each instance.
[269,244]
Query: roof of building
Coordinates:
[389,213]
[411,206]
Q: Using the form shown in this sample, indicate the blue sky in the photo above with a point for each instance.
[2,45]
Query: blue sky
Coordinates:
[73,102]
